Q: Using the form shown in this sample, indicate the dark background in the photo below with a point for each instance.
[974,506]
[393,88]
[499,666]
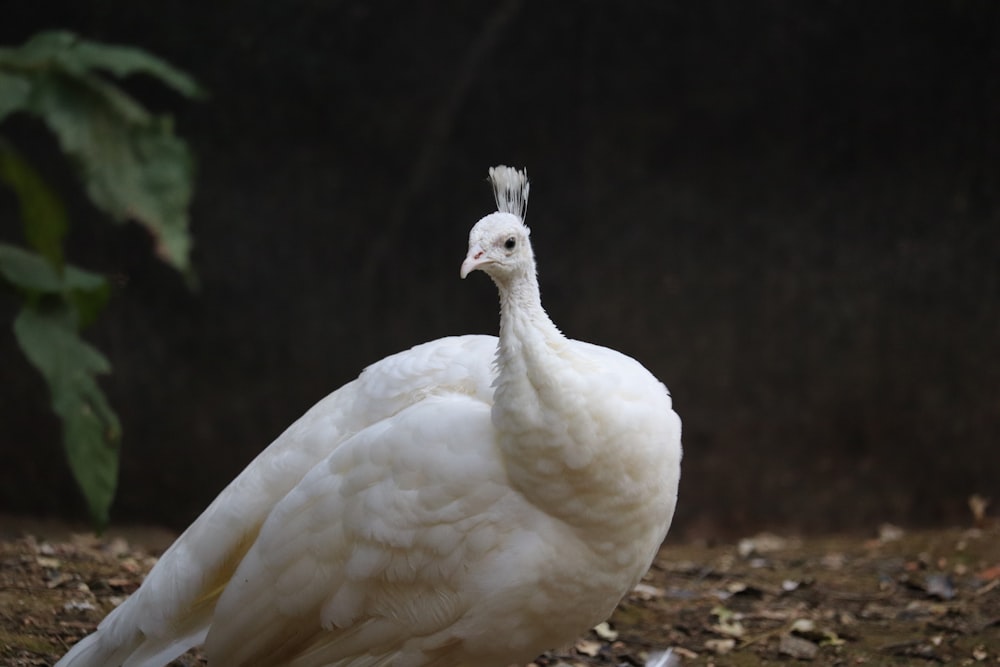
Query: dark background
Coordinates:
[789,212]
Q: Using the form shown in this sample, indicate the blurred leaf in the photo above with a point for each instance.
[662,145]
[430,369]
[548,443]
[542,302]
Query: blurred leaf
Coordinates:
[14,91]
[86,292]
[132,165]
[42,211]
[91,430]
[29,271]
[77,55]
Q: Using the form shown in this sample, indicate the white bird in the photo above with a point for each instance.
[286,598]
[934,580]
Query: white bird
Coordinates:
[470,502]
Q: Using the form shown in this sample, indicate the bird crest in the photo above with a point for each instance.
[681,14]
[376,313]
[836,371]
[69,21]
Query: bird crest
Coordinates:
[510,188]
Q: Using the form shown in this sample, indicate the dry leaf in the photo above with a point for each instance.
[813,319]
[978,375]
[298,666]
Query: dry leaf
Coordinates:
[720,646]
[762,543]
[887,532]
[978,505]
[588,647]
[647,592]
[797,647]
[605,632]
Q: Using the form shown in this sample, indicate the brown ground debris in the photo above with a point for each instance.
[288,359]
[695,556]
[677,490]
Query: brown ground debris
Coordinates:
[900,598]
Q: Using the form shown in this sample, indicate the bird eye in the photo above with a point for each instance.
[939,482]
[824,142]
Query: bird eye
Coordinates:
[510,243]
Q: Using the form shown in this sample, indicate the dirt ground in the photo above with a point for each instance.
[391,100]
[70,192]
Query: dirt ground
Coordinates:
[897,597]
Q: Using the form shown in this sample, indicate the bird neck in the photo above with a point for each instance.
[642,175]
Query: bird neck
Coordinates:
[560,447]
[541,410]
[530,346]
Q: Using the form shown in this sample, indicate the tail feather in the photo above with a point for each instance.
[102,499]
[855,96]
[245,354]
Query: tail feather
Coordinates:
[120,642]
[157,654]
[96,651]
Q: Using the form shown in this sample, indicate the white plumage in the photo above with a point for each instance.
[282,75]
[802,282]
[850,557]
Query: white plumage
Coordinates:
[470,502]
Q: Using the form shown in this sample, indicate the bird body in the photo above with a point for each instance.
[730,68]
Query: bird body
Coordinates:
[471,501]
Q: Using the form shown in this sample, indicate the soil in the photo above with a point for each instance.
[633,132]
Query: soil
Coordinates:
[899,598]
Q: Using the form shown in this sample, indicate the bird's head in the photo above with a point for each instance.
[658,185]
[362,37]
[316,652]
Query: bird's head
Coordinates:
[498,244]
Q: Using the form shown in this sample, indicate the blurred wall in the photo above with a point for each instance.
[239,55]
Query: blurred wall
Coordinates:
[788,211]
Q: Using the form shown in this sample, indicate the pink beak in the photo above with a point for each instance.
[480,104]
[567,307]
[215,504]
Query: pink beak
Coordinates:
[474,260]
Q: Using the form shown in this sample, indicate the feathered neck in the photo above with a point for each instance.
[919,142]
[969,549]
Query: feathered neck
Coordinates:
[529,353]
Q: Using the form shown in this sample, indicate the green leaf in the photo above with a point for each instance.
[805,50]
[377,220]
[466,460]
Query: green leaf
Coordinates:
[131,170]
[91,430]
[42,211]
[132,165]
[58,302]
[69,51]
[123,61]
[14,91]
[29,271]
[87,292]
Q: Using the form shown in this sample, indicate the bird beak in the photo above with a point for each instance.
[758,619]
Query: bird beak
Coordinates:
[474,260]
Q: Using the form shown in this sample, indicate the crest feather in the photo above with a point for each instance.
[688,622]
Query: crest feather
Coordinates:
[510,188]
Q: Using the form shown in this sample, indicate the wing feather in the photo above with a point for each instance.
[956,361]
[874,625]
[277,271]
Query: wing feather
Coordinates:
[172,610]
[395,566]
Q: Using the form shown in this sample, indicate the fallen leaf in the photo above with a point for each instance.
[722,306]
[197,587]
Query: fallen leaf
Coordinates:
[916,648]
[939,586]
[131,565]
[79,605]
[888,532]
[978,505]
[118,547]
[647,592]
[834,561]
[803,625]
[588,647]
[605,632]
[735,587]
[797,647]
[831,638]
[729,623]
[720,646]
[983,590]
[684,653]
[680,594]
[59,580]
[761,543]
